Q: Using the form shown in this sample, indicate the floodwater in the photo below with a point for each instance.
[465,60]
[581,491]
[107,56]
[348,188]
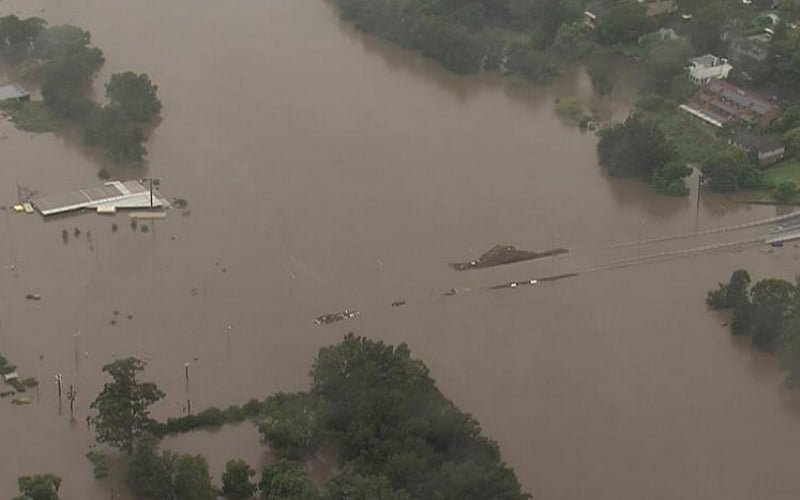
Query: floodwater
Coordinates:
[326,170]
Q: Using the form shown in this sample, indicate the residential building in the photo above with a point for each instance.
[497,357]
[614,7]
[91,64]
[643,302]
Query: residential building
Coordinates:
[762,149]
[594,11]
[708,67]
[720,103]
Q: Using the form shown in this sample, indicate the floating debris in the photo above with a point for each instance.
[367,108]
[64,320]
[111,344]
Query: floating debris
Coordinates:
[77,233]
[334,317]
[504,254]
[180,203]
[21,399]
[65,236]
[33,296]
[530,282]
[114,227]
[398,303]
[134,224]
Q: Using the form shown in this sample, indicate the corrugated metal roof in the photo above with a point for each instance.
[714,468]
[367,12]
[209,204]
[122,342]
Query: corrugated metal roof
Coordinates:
[130,194]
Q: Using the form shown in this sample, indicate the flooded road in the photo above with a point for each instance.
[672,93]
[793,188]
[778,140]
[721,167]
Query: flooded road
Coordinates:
[325,170]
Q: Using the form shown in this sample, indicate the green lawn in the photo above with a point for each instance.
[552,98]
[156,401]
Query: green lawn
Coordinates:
[785,171]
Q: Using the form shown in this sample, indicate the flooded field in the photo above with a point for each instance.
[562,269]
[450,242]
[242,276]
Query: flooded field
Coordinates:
[327,171]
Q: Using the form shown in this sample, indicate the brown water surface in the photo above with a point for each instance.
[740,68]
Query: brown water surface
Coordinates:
[327,170]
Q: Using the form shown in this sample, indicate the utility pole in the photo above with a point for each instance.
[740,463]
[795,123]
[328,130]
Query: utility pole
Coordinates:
[151,192]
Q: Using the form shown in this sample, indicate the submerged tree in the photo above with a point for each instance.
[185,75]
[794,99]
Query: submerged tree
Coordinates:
[237,481]
[122,407]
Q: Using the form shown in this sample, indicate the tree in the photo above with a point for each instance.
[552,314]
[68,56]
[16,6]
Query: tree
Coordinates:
[771,300]
[236,480]
[150,474]
[731,170]
[135,95]
[349,485]
[286,480]
[707,25]
[599,73]
[39,487]
[792,140]
[625,22]
[122,407]
[635,148]
[290,423]
[662,62]
[572,40]
[785,191]
[732,294]
[121,139]
[670,179]
[17,37]
[529,63]
[192,480]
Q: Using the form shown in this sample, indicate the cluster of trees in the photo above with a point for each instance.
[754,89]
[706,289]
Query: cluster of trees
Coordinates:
[730,169]
[768,312]
[39,487]
[467,36]
[394,430]
[64,62]
[397,437]
[639,148]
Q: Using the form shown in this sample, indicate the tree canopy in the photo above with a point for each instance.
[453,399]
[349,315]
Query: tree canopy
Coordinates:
[237,480]
[768,312]
[135,95]
[635,148]
[122,407]
[731,170]
[394,430]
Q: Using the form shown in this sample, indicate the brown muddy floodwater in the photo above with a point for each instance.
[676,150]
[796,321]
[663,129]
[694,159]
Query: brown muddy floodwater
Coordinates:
[326,170]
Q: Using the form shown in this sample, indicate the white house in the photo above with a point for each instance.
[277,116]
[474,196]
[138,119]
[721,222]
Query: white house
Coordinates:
[708,67]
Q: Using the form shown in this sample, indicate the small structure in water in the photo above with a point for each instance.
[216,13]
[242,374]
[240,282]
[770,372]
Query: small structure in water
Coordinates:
[334,317]
[504,254]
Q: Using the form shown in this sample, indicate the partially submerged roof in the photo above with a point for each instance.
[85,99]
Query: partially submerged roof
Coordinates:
[130,194]
[13,91]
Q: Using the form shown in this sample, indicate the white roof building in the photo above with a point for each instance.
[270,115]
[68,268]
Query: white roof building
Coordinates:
[708,67]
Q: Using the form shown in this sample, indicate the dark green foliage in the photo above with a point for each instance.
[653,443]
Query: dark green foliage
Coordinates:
[167,475]
[783,63]
[99,462]
[384,415]
[291,423]
[39,487]
[669,179]
[210,417]
[635,148]
[768,312]
[111,129]
[350,485]
[707,25]
[785,191]
[662,62]
[65,63]
[730,170]
[286,480]
[236,480]
[625,22]
[122,407]
[529,63]
[600,73]
[135,95]
[17,37]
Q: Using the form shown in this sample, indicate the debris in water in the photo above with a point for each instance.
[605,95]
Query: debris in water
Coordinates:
[515,284]
[450,292]
[134,224]
[130,316]
[116,313]
[180,203]
[334,317]
[21,399]
[398,303]
[65,235]
[504,254]
[33,296]
[77,233]
[114,227]
[145,228]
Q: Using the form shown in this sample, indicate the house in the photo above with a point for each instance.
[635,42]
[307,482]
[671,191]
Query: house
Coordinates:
[707,67]
[762,149]
[721,103]
[14,92]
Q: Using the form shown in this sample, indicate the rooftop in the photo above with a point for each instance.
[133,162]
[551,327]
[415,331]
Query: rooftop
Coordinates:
[129,194]
[759,142]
